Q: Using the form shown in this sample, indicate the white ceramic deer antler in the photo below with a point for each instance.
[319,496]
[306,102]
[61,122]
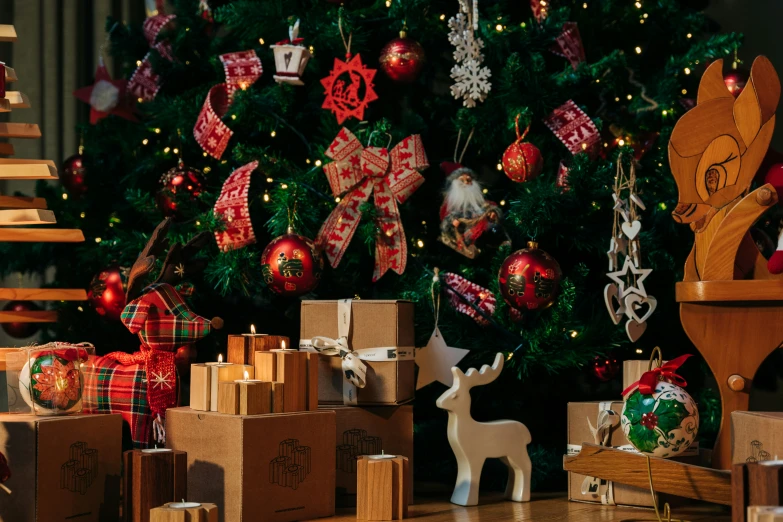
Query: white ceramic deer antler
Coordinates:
[474,442]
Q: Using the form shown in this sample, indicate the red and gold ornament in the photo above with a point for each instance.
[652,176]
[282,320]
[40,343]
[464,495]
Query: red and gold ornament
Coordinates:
[605,367]
[73,175]
[180,183]
[522,161]
[736,79]
[291,265]
[529,279]
[21,330]
[402,59]
[349,88]
[107,292]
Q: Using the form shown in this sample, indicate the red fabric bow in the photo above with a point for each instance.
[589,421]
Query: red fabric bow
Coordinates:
[666,372]
[391,177]
[295,41]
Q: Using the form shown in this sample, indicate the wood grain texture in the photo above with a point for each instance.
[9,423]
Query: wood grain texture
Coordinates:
[28,171]
[152,479]
[228,398]
[765,484]
[27,216]
[543,507]
[43,235]
[204,513]
[292,371]
[739,492]
[242,348]
[21,201]
[224,372]
[10,75]
[381,488]
[5,105]
[278,397]
[728,291]
[43,294]
[255,398]
[200,393]
[20,130]
[7,149]
[312,381]
[669,476]
[17,100]
[266,366]
[42,316]
[7,33]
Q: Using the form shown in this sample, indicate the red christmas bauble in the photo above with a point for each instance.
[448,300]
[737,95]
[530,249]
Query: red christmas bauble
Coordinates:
[735,80]
[73,175]
[522,161]
[180,184]
[107,292]
[530,279]
[402,59]
[605,368]
[291,265]
[183,358]
[21,330]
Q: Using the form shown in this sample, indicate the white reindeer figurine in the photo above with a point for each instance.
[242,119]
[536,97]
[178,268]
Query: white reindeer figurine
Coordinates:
[474,442]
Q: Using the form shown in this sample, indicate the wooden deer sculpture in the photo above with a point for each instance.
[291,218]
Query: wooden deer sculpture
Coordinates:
[731,306]
[474,442]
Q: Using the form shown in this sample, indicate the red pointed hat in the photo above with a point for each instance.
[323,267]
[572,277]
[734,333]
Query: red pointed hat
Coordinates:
[452,170]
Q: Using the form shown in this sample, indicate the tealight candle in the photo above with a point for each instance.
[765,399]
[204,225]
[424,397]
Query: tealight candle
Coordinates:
[152,477]
[156,450]
[241,348]
[382,487]
[204,380]
[247,379]
[183,505]
[183,512]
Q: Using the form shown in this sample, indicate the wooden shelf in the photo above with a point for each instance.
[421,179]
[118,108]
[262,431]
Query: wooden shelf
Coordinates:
[5,105]
[7,149]
[7,33]
[724,291]
[17,99]
[10,75]
[669,476]
[43,294]
[27,169]
[19,130]
[22,202]
[44,235]
[27,216]
[43,316]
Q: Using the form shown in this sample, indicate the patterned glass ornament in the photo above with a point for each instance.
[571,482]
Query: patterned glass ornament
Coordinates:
[291,265]
[529,279]
[663,424]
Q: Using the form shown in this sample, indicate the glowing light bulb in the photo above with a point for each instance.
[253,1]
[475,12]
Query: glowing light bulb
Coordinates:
[687,70]
[638,50]
[499,28]
[317,163]
[261,41]
[266,197]
[499,166]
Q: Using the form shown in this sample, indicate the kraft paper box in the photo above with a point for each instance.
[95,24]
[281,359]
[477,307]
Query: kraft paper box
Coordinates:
[275,467]
[579,432]
[756,436]
[63,468]
[369,431]
[374,323]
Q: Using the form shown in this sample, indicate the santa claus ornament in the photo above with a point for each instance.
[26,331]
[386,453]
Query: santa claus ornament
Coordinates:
[466,216]
[522,160]
[291,57]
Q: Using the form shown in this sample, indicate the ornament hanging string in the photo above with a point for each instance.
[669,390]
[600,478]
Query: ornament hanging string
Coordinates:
[456,145]
[621,183]
[342,35]
[436,299]
[643,94]
[516,126]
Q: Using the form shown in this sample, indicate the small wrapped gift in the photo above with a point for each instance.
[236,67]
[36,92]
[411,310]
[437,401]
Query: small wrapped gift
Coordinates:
[366,350]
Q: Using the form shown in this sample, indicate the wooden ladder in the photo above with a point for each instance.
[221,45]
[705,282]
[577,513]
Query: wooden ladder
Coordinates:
[16,211]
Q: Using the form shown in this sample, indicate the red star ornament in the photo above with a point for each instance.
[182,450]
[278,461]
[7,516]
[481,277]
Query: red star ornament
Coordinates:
[349,88]
[103,82]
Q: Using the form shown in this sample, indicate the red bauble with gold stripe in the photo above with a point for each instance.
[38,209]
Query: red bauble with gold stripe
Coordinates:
[402,59]
[529,279]
[291,265]
[522,160]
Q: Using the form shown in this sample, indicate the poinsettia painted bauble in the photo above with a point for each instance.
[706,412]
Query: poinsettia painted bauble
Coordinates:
[402,59]
[51,383]
[21,330]
[180,184]
[735,80]
[529,279]
[291,265]
[107,292]
[73,174]
[663,424]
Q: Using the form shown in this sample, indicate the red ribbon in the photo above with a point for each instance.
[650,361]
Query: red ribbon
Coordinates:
[666,373]
[144,83]
[232,209]
[287,41]
[391,177]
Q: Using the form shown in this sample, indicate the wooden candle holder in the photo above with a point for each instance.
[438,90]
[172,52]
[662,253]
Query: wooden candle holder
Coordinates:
[152,478]
[298,371]
[755,484]
[205,379]
[245,398]
[381,487]
[242,348]
[170,513]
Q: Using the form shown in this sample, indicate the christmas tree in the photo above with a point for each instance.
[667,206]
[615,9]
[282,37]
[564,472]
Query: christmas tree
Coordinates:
[630,68]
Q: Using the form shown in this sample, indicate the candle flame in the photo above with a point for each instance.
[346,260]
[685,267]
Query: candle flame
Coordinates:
[220,358]
[282,343]
[247,375]
[253,329]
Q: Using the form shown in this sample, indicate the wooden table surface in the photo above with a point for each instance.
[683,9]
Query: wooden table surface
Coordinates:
[543,508]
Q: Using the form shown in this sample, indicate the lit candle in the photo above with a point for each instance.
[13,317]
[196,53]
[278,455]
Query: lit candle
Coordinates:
[381,456]
[247,379]
[253,332]
[183,505]
[282,344]
[219,361]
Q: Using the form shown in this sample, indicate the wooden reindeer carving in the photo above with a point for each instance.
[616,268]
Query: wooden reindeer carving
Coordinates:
[474,442]
[731,306]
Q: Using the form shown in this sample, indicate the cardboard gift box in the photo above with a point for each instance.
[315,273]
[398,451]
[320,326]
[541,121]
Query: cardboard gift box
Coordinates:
[63,468]
[274,467]
[369,431]
[373,324]
[756,436]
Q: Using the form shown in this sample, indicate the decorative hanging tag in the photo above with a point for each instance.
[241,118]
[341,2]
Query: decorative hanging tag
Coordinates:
[349,88]
[232,209]
[459,290]
[101,96]
[144,83]
[574,128]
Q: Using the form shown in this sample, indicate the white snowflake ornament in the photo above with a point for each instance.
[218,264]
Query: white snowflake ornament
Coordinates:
[471,80]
